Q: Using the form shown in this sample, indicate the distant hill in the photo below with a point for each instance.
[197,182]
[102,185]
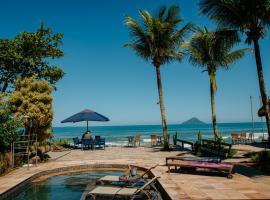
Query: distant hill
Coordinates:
[193,121]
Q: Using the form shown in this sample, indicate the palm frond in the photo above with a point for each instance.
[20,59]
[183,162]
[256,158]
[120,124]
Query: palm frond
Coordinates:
[233,56]
[158,37]
[180,35]
[249,16]
[213,49]
[140,50]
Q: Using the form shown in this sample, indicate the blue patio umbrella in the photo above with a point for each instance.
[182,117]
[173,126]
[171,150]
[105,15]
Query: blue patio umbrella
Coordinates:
[86,115]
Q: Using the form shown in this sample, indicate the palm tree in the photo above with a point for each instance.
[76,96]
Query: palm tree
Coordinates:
[157,39]
[211,51]
[251,17]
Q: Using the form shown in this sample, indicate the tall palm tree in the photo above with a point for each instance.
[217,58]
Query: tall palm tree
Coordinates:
[251,17]
[157,38]
[211,51]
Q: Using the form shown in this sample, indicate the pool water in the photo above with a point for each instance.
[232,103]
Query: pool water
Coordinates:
[66,187]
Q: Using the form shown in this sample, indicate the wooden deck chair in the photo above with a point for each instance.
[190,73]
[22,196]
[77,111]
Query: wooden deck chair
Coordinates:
[243,137]
[226,167]
[235,138]
[137,139]
[123,192]
[111,180]
[154,139]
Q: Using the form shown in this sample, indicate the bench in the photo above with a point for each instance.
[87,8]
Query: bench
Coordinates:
[224,167]
[183,142]
[220,149]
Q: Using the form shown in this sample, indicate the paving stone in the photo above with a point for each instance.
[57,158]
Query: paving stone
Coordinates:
[177,185]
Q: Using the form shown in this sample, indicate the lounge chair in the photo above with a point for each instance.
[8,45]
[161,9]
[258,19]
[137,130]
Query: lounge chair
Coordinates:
[126,180]
[225,167]
[99,141]
[201,159]
[109,192]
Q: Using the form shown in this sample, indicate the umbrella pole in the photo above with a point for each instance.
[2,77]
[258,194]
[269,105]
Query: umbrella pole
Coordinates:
[87,125]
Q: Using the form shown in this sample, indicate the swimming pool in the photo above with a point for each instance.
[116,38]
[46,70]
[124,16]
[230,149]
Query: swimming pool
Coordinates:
[66,187]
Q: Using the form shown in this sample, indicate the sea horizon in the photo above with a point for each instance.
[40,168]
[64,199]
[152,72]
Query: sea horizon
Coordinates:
[168,124]
[117,134]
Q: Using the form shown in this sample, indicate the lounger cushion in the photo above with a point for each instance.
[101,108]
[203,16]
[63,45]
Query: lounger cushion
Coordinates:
[109,178]
[224,166]
[127,191]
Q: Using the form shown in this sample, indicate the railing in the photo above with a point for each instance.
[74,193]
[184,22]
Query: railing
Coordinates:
[183,142]
[22,146]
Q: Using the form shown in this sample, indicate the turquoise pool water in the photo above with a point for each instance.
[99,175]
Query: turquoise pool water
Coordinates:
[63,187]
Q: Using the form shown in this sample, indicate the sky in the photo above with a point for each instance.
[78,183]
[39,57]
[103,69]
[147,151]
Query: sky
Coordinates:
[106,77]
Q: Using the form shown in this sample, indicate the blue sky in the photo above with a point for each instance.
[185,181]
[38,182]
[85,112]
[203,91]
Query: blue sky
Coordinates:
[112,80]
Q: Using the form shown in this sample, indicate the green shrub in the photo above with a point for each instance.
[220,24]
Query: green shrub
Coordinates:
[8,127]
[61,142]
[220,139]
[231,153]
[198,145]
[200,138]
[5,162]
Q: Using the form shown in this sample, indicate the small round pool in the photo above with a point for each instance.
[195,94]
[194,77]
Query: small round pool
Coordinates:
[66,187]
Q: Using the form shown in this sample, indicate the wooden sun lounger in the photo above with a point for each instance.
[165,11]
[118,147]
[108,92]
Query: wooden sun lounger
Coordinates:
[225,167]
[108,191]
[201,159]
[109,179]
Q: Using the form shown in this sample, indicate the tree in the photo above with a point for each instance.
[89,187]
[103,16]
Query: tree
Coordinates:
[211,51]
[157,39]
[28,54]
[9,125]
[32,100]
[251,17]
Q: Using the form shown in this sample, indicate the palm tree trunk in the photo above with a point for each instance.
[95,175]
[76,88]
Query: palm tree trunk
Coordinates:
[162,108]
[262,84]
[213,108]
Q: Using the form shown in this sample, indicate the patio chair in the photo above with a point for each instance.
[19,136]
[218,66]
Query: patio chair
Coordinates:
[137,139]
[130,141]
[244,137]
[127,179]
[154,139]
[76,142]
[99,141]
[235,138]
[109,192]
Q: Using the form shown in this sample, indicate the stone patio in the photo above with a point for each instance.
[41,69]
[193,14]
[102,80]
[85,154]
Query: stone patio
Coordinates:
[177,185]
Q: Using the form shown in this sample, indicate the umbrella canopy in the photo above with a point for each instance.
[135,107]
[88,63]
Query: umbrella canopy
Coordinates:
[86,115]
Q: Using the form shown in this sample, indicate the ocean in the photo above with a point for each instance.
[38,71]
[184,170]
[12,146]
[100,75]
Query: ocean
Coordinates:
[117,135]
